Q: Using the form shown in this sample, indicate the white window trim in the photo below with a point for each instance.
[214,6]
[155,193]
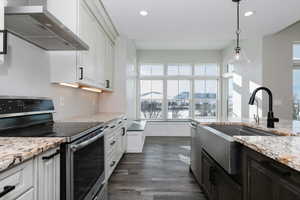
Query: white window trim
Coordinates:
[191,78]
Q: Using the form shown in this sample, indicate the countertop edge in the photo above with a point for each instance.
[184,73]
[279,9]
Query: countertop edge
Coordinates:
[18,157]
[269,153]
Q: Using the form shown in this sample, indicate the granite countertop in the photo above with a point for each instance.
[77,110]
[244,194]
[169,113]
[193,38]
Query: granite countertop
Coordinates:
[15,150]
[285,150]
[99,117]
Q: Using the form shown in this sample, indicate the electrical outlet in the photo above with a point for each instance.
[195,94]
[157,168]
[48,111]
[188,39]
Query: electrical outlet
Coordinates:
[61,101]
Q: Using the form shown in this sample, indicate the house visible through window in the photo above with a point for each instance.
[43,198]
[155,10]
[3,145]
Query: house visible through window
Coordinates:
[151,99]
[178,99]
[296,82]
[205,97]
[179,91]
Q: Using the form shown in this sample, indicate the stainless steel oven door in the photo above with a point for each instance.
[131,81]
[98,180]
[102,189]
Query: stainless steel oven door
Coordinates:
[87,169]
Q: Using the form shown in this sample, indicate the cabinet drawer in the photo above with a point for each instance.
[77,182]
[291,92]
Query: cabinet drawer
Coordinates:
[113,141]
[21,177]
[111,164]
[29,195]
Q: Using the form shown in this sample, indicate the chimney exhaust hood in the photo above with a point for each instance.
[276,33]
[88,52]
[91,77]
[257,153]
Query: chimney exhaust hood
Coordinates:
[35,24]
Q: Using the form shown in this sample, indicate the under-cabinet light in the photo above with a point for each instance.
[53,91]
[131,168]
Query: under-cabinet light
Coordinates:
[73,85]
[91,89]
[144,13]
[249,13]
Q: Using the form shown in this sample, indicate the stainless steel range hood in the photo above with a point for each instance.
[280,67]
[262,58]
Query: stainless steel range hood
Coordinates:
[35,24]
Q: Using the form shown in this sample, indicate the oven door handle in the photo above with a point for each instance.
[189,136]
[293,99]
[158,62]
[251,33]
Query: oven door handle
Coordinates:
[76,147]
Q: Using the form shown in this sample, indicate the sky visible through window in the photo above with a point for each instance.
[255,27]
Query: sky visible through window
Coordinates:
[296,84]
[296,50]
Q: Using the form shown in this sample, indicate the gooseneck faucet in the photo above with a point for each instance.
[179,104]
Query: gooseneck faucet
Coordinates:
[271,119]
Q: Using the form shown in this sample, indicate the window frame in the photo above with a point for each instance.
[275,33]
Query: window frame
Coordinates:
[165,77]
[296,62]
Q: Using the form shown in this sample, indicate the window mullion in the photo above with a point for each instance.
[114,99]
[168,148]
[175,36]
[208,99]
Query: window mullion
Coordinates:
[165,90]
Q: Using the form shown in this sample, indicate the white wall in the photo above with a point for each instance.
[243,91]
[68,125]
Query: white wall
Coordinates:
[179,56]
[247,76]
[123,99]
[26,72]
[278,69]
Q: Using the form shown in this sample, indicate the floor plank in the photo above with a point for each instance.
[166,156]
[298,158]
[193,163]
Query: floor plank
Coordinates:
[160,173]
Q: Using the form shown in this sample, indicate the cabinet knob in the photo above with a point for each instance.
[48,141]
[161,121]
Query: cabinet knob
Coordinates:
[4,50]
[81,73]
[113,164]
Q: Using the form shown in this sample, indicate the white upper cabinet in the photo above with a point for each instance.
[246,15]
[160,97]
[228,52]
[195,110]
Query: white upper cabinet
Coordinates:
[86,29]
[109,62]
[65,11]
[92,67]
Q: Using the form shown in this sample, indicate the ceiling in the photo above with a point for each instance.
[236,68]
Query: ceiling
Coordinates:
[198,24]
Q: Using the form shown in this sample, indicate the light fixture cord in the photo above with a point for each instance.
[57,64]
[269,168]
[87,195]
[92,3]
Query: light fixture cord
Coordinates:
[238,26]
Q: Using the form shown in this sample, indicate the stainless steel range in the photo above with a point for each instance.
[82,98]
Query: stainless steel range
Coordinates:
[82,156]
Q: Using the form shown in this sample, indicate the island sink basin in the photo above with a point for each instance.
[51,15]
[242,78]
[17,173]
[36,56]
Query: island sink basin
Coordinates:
[218,142]
[232,130]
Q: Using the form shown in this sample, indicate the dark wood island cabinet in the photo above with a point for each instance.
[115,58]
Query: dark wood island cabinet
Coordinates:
[266,179]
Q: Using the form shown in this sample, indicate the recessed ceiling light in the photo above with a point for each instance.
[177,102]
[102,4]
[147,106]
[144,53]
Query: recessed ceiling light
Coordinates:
[249,13]
[143,13]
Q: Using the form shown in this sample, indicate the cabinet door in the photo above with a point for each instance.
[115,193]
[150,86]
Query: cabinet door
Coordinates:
[58,9]
[86,31]
[226,188]
[29,195]
[100,55]
[198,159]
[109,61]
[208,177]
[124,140]
[193,149]
[260,184]
[265,179]
[287,192]
[49,175]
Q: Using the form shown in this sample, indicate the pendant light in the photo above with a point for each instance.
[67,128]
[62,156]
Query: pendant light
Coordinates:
[239,54]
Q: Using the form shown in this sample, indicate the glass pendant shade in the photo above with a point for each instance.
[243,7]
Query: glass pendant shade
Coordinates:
[239,57]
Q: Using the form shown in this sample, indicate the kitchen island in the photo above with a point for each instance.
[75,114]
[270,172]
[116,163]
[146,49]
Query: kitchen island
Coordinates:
[237,165]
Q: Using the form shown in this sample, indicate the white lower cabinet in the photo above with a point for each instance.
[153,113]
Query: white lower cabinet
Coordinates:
[49,175]
[114,146]
[19,179]
[36,179]
[29,195]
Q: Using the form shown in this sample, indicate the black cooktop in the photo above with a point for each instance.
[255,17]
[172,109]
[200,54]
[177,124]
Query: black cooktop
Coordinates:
[56,129]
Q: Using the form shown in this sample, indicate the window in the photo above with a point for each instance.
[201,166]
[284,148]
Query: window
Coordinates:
[179,70]
[152,70]
[296,89]
[296,82]
[205,97]
[296,52]
[178,99]
[151,99]
[179,91]
[207,70]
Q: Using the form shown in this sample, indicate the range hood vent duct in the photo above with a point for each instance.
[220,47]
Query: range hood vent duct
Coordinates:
[35,24]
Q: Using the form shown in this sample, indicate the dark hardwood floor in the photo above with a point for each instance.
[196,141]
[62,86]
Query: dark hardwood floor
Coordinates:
[160,173]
